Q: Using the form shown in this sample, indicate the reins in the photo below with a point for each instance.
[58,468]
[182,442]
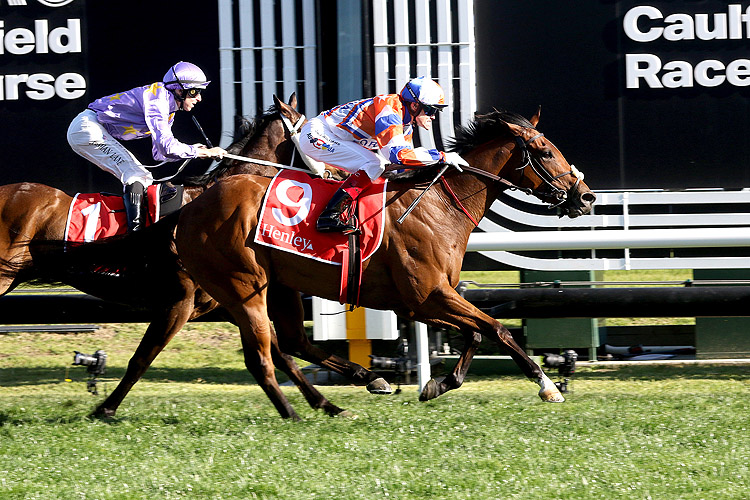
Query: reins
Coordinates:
[527,160]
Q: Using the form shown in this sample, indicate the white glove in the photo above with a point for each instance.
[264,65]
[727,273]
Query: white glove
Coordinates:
[455,160]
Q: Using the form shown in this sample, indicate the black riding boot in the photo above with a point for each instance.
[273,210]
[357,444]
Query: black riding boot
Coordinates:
[133,205]
[331,218]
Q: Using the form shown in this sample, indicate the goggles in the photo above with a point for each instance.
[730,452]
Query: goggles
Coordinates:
[192,93]
[430,111]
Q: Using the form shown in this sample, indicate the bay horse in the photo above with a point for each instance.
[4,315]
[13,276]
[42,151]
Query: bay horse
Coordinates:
[415,270]
[32,224]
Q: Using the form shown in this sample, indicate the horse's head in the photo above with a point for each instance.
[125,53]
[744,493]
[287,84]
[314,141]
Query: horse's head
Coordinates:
[508,145]
[541,169]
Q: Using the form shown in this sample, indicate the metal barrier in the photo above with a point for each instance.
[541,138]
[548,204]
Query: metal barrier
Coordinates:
[696,229]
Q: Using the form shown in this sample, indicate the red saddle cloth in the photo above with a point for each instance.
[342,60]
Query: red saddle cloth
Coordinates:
[291,208]
[95,216]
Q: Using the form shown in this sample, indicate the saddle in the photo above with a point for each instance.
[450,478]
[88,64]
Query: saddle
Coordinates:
[95,216]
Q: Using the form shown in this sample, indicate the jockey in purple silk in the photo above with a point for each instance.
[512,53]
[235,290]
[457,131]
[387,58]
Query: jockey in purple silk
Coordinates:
[146,111]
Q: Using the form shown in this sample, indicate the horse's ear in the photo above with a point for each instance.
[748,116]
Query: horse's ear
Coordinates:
[277,102]
[535,119]
[293,100]
[513,128]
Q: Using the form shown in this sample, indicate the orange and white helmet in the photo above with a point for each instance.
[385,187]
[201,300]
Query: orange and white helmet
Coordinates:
[426,92]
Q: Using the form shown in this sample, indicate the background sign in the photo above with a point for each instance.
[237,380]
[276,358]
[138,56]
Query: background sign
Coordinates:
[57,56]
[650,94]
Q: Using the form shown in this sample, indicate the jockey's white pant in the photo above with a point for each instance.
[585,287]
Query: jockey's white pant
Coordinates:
[91,140]
[339,149]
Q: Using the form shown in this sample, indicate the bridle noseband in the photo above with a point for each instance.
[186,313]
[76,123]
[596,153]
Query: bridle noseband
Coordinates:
[528,160]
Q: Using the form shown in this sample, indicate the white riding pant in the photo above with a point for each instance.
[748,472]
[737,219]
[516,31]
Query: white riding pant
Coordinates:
[91,140]
[319,142]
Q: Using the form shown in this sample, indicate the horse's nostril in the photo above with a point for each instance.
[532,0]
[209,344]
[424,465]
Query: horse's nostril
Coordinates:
[588,198]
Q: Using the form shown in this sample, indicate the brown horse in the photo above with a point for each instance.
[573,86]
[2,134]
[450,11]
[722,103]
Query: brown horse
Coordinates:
[413,273]
[32,220]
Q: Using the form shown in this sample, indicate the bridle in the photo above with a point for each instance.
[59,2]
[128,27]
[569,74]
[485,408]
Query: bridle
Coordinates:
[528,160]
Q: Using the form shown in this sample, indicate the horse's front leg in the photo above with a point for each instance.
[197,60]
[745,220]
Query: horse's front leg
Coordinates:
[445,307]
[455,379]
[548,390]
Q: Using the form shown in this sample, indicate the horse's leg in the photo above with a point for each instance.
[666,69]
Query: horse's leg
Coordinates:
[257,339]
[287,314]
[317,401]
[444,307]
[455,379]
[157,336]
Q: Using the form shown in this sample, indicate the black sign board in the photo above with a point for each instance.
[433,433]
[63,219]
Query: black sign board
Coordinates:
[650,94]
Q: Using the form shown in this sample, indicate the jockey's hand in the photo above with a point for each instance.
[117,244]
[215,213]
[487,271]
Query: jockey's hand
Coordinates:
[455,160]
[215,152]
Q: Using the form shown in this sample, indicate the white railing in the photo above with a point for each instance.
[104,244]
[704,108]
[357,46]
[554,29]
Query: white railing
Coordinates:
[434,54]
[702,226]
[252,81]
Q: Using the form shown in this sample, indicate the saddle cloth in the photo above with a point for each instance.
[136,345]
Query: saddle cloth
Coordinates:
[291,207]
[95,216]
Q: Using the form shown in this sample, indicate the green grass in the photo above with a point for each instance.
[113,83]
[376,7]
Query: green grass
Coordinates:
[197,427]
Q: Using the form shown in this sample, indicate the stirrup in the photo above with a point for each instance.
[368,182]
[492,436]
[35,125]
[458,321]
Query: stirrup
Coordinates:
[333,224]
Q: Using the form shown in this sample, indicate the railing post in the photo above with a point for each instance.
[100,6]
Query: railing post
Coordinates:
[565,333]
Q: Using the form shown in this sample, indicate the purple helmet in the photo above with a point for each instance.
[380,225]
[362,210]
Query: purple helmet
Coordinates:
[185,75]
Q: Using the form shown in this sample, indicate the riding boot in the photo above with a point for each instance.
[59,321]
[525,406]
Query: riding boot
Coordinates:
[133,205]
[335,218]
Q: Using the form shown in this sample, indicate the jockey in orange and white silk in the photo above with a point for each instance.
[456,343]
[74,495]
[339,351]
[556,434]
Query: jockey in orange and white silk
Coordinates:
[350,136]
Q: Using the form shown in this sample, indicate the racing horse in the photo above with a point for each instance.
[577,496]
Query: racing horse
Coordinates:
[415,270]
[32,222]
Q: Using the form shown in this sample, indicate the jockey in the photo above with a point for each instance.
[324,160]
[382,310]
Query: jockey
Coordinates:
[363,136]
[146,111]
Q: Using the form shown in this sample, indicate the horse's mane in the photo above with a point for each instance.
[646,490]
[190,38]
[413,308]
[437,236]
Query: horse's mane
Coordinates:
[245,131]
[482,129]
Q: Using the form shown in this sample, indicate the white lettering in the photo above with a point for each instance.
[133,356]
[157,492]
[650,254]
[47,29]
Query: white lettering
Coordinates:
[732,24]
[635,71]
[73,35]
[630,23]
[649,70]
[70,86]
[42,86]
[702,76]
[20,41]
[738,72]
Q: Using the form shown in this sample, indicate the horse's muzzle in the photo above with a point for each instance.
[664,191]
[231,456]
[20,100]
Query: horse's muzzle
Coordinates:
[578,203]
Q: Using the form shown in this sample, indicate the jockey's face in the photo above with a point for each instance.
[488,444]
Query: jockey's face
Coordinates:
[189,103]
[421,119]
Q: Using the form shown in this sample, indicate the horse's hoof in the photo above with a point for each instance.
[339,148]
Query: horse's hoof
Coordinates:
[102,413]
[345,414]
[551,396]
[429,391]
[379,386]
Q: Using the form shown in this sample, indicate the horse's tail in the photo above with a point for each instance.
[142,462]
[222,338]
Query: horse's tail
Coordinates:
[117,263]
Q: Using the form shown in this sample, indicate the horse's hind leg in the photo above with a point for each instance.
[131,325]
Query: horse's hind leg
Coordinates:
[287,314]
[455,379]
[157,336]
[286,363]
